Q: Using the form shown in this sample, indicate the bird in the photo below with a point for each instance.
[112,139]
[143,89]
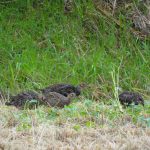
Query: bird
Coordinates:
[54,99]
[127,98]
[64,89]
[21,99]
[60,93]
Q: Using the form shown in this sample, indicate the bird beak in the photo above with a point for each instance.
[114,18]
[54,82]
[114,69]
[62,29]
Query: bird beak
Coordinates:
[42,97]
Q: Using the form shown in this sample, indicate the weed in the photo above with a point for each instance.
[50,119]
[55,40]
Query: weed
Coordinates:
[41,46]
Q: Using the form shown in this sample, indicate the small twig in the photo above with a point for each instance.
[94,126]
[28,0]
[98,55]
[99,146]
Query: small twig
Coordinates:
[114,6]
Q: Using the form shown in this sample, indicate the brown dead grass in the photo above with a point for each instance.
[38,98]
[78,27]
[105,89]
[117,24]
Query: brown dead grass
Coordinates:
[48,136]
[53,135]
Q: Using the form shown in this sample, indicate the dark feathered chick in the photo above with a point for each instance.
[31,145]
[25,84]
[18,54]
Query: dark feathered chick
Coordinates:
[64,89]
[21,99]
[126,98]
[54,99]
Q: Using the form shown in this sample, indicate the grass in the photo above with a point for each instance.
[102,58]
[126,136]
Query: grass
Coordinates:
[38,48]
[76,125]
[43,46]
[86,113]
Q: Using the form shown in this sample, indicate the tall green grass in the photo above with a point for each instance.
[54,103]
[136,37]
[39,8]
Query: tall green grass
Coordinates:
[42,46]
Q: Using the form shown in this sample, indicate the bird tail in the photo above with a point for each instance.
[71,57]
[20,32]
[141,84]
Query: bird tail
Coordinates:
[8,103]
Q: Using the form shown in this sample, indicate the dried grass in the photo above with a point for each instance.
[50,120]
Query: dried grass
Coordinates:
[50,135]
[53,137]
[140,21]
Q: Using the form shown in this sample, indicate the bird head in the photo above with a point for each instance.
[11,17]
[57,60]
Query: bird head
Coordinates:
[71,95]
[139,100]
[41,97]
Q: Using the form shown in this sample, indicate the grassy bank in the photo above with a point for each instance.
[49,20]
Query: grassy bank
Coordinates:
[41,46]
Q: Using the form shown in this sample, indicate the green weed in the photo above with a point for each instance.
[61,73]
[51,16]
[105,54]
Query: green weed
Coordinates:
[41,46]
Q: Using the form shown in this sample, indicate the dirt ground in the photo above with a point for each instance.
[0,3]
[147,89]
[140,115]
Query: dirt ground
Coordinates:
[48,137]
